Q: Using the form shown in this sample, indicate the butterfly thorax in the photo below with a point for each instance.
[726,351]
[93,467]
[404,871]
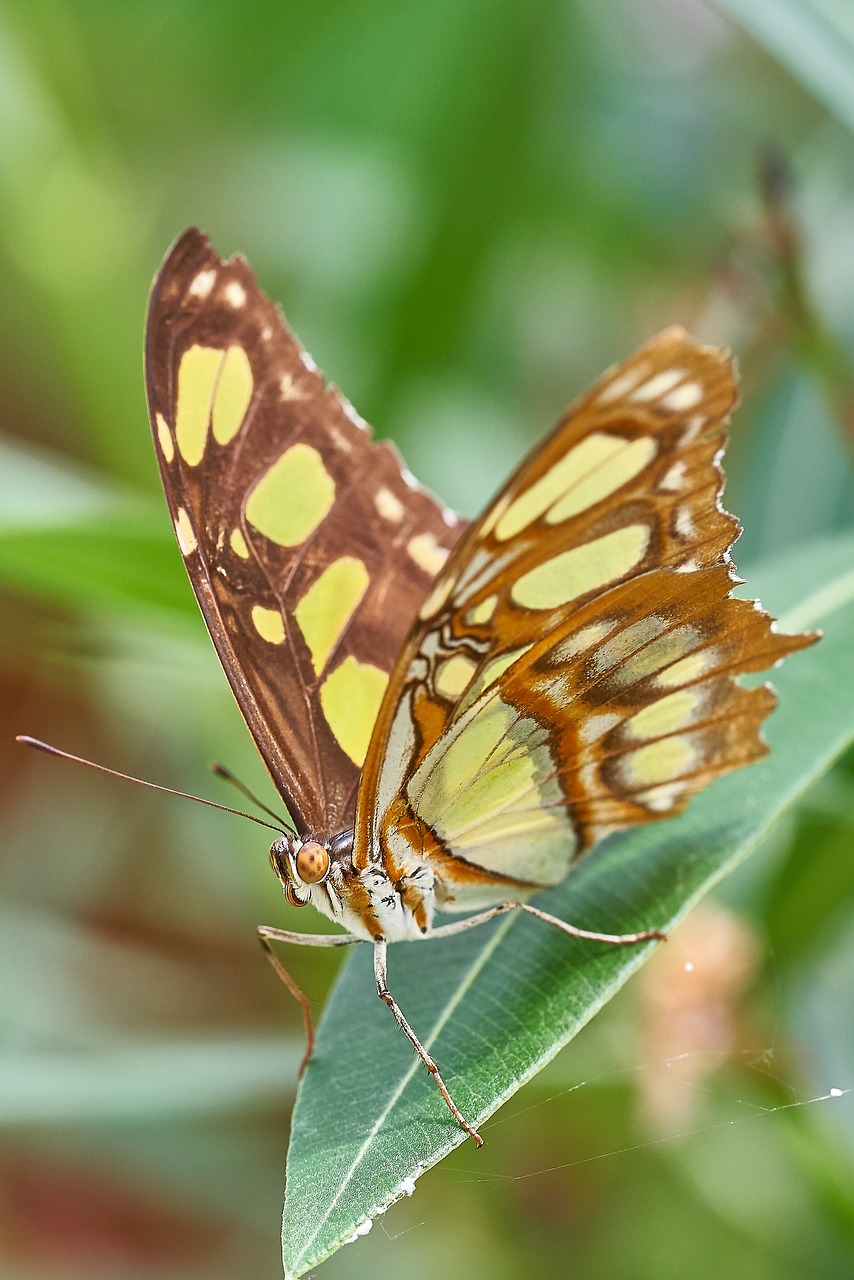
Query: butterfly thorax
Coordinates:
[372,902]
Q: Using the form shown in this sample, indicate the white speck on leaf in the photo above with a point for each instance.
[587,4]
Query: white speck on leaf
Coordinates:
[362,1230]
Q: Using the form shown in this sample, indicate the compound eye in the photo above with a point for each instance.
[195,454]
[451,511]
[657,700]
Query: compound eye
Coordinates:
[312,863]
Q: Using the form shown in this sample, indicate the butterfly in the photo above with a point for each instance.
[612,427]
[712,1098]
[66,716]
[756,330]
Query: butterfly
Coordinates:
[453,714]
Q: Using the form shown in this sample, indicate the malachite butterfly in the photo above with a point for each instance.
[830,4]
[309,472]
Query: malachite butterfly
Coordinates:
[453,714]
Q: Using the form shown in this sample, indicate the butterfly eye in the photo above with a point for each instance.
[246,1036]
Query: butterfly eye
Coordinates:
[312,863]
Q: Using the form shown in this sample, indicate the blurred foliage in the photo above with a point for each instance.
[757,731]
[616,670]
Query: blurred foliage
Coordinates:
[468,210]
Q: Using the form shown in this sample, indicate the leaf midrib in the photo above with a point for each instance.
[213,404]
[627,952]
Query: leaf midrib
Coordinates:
[462,988]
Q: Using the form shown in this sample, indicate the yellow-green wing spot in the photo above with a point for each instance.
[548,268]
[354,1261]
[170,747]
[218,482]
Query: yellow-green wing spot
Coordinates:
[666,715]
[437,597]
[350,697]
[655,655]
[452,765]
[631,642]
[687,669]
[586,568]
[602,471]
[328,606]
[589,472]
[238,545]
[233,394]
[292,498]
[164,435]
[491,794]
[478,614]
[197,375]
[581,641]
[658,762]
[454,675]
[490,672]
[268,623]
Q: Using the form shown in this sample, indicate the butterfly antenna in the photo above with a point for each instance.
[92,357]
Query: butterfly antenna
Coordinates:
[221,772]
[114,773]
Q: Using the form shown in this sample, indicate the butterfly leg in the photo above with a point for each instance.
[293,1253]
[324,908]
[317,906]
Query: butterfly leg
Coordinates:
[615,939]
[266,936]
[384,994]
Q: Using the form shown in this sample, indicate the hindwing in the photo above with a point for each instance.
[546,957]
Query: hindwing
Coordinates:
[309,548]
[572,671]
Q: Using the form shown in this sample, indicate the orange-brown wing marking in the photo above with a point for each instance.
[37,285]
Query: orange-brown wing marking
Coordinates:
[580,646]
[639,697]
[309,548]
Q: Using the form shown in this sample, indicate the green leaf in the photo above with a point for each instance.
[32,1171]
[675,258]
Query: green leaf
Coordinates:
[66,537]
[813,39]
[145,1079]
[495,1005]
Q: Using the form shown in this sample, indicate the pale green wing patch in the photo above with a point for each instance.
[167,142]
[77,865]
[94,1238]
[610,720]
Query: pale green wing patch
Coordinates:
[488,791]
[496,1004]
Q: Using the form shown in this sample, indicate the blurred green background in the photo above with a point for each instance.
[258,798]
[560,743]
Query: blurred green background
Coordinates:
[468,210]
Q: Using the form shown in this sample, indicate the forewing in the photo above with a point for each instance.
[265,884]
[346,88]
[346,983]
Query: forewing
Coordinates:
[571,672]
[309,548]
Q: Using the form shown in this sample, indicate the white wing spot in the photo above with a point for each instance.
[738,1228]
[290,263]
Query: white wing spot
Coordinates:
[266,333]
[289,388]
[307,361]
[339,439]
[234,294]
[426,552]
[388,505]
[693,428]
[588,777]
[184,533]
[684,523]
[408,478]
[203,283]
[620,385]
[658,386]
[683,398]
[674,478]
[597,726]
[660,799]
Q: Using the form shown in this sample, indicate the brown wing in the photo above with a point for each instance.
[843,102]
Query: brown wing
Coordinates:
[572,670]
[309,548]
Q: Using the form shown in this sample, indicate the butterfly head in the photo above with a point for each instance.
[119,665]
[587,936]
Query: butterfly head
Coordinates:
[304,866]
